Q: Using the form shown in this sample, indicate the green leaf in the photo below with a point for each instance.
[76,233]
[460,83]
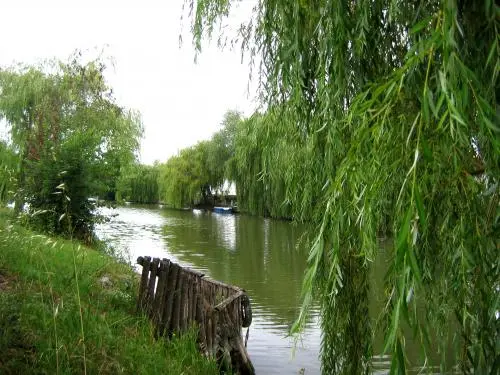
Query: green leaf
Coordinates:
[430,99]
[402,238]
[493,49]
[422,214]
[442,80]
[393,328]
[400,358]
[414,264]
[420,25]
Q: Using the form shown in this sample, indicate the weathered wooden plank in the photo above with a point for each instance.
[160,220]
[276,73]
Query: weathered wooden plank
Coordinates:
[144,262]
[194,272]
[215,317]
[177,307]
[195,299]
[176,298]
[161,289]
[169,298]
[184,302]
[229,300]
[221,284]
[208,317]
[151,286]
[200,318]
[190,301]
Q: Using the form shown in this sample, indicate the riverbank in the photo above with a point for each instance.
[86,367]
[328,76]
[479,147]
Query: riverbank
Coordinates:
[66,308]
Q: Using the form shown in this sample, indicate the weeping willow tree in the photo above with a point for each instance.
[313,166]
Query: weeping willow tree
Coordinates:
[139,183]
[395,106]
[199,172]
[69,136]
[185,179]
[267,166]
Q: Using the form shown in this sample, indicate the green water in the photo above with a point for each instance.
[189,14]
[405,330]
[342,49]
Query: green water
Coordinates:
[260,255]
[265,257]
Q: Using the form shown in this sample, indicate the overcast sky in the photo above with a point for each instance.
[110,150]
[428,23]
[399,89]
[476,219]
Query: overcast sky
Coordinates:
[181,102]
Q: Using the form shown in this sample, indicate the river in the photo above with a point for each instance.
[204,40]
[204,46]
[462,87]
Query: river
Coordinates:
[265,257]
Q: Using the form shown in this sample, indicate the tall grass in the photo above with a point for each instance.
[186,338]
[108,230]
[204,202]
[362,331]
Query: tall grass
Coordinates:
[65,308]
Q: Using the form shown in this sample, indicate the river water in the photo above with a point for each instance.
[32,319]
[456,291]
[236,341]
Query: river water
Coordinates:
[265,257]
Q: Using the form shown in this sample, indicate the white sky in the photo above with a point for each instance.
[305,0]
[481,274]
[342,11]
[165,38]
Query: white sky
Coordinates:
[181,102]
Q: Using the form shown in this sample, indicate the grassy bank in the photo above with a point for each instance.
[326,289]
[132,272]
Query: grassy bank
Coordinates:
[65,308]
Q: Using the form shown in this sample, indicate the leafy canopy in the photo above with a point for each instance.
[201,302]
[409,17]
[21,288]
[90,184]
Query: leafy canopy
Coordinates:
[70,137]
[394,108]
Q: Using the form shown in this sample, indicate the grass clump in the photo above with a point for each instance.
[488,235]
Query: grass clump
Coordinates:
[68,309]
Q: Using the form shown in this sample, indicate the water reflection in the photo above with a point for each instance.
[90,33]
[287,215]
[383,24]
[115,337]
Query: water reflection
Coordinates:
[259,255]
[263,257]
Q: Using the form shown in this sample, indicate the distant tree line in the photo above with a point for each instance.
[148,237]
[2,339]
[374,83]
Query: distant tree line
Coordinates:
[260,155]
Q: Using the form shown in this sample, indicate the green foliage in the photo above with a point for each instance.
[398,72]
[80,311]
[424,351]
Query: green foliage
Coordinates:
[392,112]
[7,172]
[183,178]
[198,172]
[139,183]
[268,166]
[68,132]
[46,283]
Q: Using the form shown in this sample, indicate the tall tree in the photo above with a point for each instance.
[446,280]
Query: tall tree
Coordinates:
[396,106]
[69,133]
[139,183]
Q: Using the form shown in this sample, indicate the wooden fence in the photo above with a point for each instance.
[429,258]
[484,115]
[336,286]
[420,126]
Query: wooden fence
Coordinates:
[175,298]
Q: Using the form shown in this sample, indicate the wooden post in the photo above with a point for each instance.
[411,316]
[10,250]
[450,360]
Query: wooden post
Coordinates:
[170,296]
[190,301]
[208,317]
[229,300]
[160,297]
[175,298]
[200,318]
[215,316]
[151,287]
[144,262]
[184,302]
[177,301]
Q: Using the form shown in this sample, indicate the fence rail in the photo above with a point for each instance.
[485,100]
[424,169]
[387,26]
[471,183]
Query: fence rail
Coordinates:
[175,298]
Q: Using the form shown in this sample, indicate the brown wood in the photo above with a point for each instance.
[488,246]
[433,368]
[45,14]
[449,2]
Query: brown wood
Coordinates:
[169,298]
[194,272]
[177,307]
[209,334]
[151,286]
[210,322]
[215,317]
[228,301]
[190,307]
[233,311]
[144,261]
[200,319]
[222,285]
[187,311]
[177,297]
[161,289]
[192,302]
[183,316]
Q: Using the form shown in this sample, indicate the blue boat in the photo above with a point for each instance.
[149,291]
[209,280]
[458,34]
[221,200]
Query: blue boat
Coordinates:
[223,210]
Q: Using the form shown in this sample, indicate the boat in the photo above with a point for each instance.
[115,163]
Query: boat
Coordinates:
[223,210]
